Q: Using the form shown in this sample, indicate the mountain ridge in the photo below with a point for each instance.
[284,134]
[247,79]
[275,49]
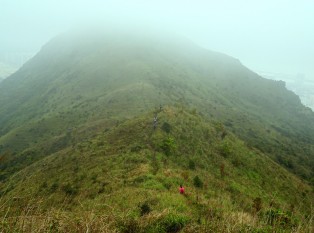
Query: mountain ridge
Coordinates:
[75,83]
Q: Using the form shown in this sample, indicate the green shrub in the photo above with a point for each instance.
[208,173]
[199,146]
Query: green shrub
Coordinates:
[136,148]
[257,204]
[171,223]
[191,164]
[70,189]
[54,187]
[166,127]
[43,186]
[53,226]
[144,209]
[198,183]
[155,164]
[140,179]
[168,145]
[94,177]
[278,217]
[167,183]
[129,225]
[226,149]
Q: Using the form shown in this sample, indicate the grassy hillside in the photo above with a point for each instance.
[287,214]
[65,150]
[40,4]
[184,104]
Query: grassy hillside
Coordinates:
[84,83]
[126,179]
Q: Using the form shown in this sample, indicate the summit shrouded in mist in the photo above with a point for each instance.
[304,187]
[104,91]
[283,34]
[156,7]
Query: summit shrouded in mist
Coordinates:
[267,36]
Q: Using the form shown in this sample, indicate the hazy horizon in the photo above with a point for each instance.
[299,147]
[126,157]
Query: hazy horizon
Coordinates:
[265,36]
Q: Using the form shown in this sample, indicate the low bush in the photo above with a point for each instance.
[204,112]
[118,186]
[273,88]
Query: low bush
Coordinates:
[166,127]
[170,223]
[144,209]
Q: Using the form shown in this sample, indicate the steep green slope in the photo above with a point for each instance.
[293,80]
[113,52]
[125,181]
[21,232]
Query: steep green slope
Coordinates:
[126,179]
[87,82]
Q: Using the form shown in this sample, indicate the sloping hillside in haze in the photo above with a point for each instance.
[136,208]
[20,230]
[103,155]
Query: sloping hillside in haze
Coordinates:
[300,84]
[89,82]
[5,70]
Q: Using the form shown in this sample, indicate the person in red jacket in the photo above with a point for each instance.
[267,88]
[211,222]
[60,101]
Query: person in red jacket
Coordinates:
[181,189]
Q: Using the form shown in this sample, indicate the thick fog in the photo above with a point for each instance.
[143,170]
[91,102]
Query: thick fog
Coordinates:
[267,36]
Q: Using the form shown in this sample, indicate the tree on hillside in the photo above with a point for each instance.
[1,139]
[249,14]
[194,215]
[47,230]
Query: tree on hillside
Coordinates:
[198,184]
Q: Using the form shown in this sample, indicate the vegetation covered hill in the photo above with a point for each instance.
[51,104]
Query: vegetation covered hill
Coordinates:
[126,179]
[85,82]
[78,151]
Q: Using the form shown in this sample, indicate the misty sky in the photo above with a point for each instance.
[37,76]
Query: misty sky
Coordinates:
[268,35]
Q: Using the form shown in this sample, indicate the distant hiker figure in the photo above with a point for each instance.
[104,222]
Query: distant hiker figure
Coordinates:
[155,122]
[181,189]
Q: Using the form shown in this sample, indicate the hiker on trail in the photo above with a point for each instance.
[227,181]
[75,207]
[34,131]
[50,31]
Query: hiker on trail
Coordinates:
[181,189]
